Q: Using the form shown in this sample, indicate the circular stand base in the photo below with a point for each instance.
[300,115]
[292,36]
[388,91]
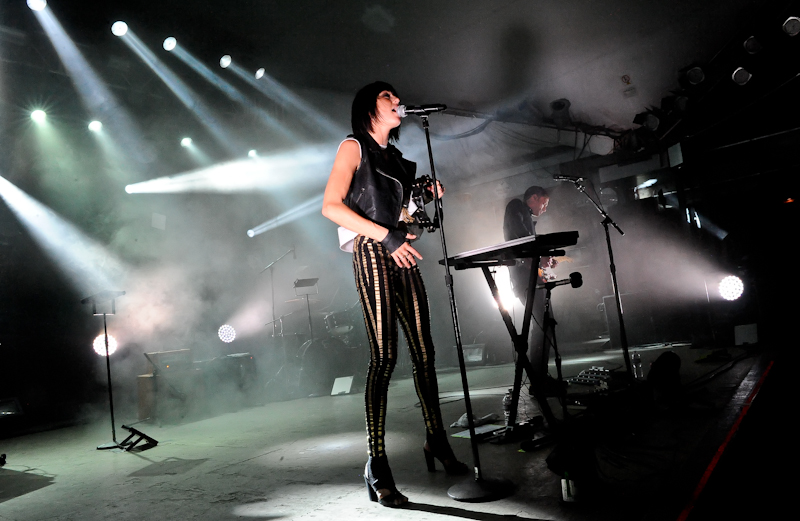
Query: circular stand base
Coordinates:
[479,490]
[109,445]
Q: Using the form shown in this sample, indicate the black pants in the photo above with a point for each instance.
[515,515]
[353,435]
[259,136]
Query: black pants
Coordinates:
[390,293]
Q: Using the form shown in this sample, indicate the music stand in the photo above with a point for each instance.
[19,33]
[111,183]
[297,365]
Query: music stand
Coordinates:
[306,287]
[127,444]
[94,300]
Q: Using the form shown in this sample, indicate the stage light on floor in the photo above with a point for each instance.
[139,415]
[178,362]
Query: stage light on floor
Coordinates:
[170,43]
[37,5]
[731,287]
[227,334]
[95,126]
[99,345]
[225,61]
[39,116]
[119,28]
[260,73]
[186,142]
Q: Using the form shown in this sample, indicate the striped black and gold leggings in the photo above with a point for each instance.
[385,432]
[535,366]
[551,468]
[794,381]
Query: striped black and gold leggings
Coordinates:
[388,293]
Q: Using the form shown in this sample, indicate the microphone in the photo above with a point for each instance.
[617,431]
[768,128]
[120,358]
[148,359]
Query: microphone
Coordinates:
[422,110]
[567,178]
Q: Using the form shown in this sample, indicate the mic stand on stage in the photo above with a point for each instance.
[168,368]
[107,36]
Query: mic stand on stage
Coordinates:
[480,488]
[272,284]
[623,337]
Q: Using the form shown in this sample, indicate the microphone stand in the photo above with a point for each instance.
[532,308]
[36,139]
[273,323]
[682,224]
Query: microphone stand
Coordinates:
[623,337]
[272,285]
[480,488]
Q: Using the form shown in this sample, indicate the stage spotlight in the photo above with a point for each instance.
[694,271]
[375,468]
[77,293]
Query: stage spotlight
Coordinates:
[740,76]
[95,126]
[225,61]
[731,287]
[252,154]
[186,142]
[226,333]
[37,5]
[39,116]
[752,46]
[119,28]
[791,26]
[695,75]
[251,233]
[170,43]
[260,73]
[99,345]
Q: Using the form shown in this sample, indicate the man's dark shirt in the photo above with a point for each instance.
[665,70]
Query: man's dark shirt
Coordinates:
[517,222]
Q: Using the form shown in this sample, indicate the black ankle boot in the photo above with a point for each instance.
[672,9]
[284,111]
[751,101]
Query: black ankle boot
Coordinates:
[437,446]
[378,476]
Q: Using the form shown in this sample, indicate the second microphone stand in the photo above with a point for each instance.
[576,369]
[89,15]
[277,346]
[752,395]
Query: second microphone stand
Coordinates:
[479,488]
[607,220]
[272,284]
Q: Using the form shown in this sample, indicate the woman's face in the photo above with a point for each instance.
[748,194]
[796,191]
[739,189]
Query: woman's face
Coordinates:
[386,110]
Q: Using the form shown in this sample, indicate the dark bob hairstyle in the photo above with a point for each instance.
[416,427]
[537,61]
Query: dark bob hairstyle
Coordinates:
[364,109]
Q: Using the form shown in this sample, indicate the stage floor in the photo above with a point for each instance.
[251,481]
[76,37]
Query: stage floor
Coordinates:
[304,458]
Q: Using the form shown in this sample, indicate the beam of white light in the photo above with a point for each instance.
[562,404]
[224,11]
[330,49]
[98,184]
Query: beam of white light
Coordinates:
[312,205]
[86,264]
[186,142]
[95,126]
[287,99]
[96,97]
[303,168]
[185,94]
[229,90]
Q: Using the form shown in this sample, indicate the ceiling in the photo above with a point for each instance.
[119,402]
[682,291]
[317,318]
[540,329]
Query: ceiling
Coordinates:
[610,58]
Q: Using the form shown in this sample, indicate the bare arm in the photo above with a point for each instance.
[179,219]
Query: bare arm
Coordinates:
[333,207]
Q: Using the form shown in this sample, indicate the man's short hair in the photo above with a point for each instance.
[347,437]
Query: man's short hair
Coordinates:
[538,191]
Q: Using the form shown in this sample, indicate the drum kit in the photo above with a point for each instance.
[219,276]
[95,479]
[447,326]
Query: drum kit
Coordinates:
[309,362]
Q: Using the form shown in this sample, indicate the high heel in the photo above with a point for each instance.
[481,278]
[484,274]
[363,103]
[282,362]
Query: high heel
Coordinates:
[437,446]
[378,476]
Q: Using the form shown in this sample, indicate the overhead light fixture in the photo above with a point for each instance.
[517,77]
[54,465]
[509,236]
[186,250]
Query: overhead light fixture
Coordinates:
[170,43]
[752,46]
[792,26]
[740,76]
[186,142]
[225,61]
[37,5]
[560,113]
[695,75]
[648,120]
[95,126]
[260,73]
[731,287]
[119,28]
[39,116]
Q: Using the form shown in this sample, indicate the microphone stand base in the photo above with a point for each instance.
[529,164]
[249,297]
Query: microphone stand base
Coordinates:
[480,490]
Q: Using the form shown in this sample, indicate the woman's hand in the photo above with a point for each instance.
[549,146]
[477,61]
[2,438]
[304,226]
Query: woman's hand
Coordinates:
[439,189]
[404,255]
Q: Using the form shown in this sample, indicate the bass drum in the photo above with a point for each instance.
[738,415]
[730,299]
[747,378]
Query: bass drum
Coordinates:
[322,361]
